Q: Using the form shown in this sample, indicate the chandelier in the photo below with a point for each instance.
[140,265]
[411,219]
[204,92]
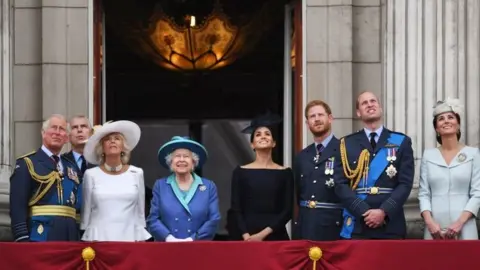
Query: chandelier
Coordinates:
[211,45]
[193,44]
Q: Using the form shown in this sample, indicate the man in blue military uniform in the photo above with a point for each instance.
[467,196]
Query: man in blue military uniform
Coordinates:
[320,212]
[80,131]
[375,176]
[43,190]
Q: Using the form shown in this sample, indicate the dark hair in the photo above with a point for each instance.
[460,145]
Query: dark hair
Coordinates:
[273,131]
[439,138]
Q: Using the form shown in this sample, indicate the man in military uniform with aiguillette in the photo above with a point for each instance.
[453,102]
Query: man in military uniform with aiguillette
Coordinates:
[375,176]
[43,190]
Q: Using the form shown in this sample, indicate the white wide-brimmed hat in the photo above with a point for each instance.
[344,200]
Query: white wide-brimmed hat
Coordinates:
[128,129]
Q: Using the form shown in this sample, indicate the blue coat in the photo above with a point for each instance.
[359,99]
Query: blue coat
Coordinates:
[194,214]
[28,189]
[313,183]
[394,190]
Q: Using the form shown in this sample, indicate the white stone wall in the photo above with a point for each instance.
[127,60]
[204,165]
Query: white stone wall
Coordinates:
[344,55]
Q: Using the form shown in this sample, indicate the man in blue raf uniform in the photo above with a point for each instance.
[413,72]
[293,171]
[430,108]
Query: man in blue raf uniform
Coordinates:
[80,131]
[375,176]
[43,190]
[320,211]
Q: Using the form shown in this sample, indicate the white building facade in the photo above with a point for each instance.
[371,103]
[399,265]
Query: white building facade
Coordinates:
[411,53]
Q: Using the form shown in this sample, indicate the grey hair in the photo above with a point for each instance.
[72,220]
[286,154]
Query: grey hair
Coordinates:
[46,123]
[126,153]
[195,158]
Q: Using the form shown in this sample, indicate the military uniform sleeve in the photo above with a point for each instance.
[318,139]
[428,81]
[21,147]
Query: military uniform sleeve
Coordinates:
[406,173]
[349,199]
[20,186]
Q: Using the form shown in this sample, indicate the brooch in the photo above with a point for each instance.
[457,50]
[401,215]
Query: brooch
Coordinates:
[462,157]
[391,171]
[330,183]
[202,188]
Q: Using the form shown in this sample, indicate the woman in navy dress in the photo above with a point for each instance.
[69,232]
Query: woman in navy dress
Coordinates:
[262,191]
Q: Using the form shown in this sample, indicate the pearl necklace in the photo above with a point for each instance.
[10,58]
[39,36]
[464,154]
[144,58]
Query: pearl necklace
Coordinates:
[113,169]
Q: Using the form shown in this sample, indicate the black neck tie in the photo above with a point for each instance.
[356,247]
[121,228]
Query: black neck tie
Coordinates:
[56,159]
[83,168]
[372,140]
[319,148]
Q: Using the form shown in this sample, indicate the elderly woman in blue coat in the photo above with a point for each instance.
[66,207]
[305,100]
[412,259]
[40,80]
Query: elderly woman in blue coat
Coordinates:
[184,206]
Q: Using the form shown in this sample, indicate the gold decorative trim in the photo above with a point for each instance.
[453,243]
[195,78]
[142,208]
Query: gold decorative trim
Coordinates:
[53,210]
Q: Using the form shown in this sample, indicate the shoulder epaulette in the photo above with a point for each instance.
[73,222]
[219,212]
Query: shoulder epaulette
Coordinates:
[351,134]
[26,155]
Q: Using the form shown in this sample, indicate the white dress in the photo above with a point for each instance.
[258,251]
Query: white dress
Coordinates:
[113,207]
[448,190]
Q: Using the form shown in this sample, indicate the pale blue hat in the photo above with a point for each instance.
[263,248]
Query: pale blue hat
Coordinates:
[178,142]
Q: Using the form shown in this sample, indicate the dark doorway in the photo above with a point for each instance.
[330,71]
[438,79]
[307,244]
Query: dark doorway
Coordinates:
[210,106]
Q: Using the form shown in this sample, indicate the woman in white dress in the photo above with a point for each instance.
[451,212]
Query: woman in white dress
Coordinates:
[449,192]
[113,192]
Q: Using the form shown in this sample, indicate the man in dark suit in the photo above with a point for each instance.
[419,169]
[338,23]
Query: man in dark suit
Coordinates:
[375,176]
[44,190]
[80,131]
[320,212]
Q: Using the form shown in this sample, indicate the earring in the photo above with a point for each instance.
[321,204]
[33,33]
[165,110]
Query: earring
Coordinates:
[122,154]
[103,155]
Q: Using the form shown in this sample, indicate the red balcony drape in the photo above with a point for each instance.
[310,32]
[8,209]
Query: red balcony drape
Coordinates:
[291,255]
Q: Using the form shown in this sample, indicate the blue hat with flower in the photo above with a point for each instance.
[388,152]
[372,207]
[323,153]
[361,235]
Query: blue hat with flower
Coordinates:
[178,142]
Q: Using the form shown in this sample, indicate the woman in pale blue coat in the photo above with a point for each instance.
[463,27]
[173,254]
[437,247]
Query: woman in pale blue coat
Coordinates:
[449,190]
[184,206]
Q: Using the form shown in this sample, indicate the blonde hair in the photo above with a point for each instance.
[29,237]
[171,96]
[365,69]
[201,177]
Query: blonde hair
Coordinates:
[124,157]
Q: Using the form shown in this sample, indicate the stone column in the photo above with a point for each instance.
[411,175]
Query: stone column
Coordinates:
[431,51]
[64,26]
[329,57]
[6,161]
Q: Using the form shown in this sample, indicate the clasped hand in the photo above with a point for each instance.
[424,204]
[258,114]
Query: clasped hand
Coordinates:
[450,233]
[171,238]
[253,238]
[374,218]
